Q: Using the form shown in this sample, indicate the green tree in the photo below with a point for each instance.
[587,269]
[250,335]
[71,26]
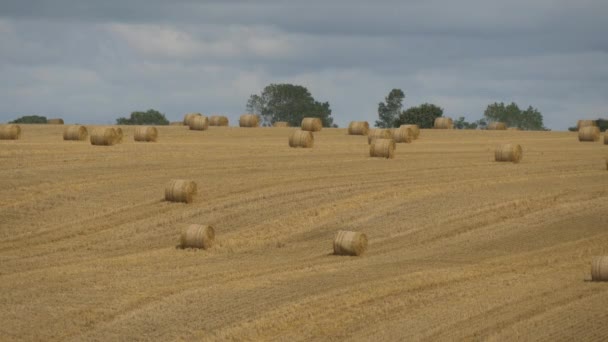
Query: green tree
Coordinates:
[423,115]
[30,119]
[149,117]
[288,102]
[461,123]
[513,116]
[389,110]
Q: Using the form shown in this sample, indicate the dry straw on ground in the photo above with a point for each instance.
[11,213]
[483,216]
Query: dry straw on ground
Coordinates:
[403,135]
[299,138]
[415,129]
[599,268]
[176,123]
[443,123]
[508,153]
[218,120]
[589,133]
[197,236]
[249,120]
[606,138]
[198,123]
[145,133]
[312,124]
[585,123]
[189,117]
[496,126]
[358,128]
[104,136]
[513,129]
[378,133]
[10,132]
[349,243]
[382,148]
[280,124]
[56,121]
[180,190]
[75,133]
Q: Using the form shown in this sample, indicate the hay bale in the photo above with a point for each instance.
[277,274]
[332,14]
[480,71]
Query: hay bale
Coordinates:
[249,120]
[589,133]
[312,124]
[382,148]
[585,123]
[378,133]
[358,128]
[218,120]
[104,136]
[197,236]
[280,124]
[180,190]
[198,123]
[508,153]
[54,121]
[10,132]
[176,123]
[299,138]
[443,123]
[496,126]
[599,268]
[403,135]
[349,243]
[75,132]
[189,117]
[415,129]
[119,134]
[606,137]
[145,133]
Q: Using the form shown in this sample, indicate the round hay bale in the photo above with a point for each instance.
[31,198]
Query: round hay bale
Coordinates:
[75,133]
[249,120]
[197,236]
[508,153]
[119,134]
[199,123]
[218,120]
[496,126]
[104,136]
[403,135]
[358,128]
[585,123]
[599,268]
[180,190]
[280,124]
[606,138]
[10,132]
[54,121]
[189,117]
[382,148]
[349,243]
[378,133]
[415,129]
[299,138]
[145,133]
[312,124]
[443,123]
[176,123]
[589,133]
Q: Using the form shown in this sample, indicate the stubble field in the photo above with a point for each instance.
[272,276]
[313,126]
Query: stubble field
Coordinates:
[460,246]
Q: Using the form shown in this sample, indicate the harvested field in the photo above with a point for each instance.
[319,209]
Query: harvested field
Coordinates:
[459,247]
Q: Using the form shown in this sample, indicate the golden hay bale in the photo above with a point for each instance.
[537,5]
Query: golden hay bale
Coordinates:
[280,124]
[299,138]
[589,133]
[189,117]
[585,123]
[145,133]
[496,126]
[599,268]
[415,130]
[197,236]
[176,123]
[508,153]
[312,124]
[349,243]
[119,134]
[54,121]
[358,128]
[383,148]
[180,190]
[403,135]
[199,123]
[378,133]
[606,137]
[104,136]
[443,123]
[249,120]
[75,133]
[218,120]
[10,132]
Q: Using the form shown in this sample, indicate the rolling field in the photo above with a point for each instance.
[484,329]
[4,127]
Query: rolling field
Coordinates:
[460,246]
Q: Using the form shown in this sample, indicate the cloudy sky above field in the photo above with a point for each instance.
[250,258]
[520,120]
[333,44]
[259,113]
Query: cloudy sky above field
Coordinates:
[91,62]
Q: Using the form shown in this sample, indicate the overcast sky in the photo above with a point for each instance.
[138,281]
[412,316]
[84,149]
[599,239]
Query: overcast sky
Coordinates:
[91,63]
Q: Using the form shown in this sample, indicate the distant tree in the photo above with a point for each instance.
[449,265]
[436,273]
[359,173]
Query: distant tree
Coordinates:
[529,119]
[423,115]
[149,117]
[288,102]
[461,123]
[30,119]
[389,111]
